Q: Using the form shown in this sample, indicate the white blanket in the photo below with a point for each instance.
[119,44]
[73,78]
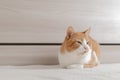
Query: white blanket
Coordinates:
[54,72]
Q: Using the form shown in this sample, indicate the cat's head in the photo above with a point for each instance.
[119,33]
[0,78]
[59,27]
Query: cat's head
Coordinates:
[75,40]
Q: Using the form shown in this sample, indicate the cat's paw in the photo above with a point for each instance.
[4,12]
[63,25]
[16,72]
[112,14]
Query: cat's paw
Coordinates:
[74,66]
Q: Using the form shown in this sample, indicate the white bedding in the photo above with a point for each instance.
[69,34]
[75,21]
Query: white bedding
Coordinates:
[54,72]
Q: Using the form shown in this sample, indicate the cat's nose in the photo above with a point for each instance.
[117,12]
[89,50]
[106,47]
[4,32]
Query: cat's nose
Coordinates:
[86,49]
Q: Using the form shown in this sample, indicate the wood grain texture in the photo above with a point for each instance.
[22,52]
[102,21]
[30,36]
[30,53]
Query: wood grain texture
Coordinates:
[28,55]
[36,55]
[47,21]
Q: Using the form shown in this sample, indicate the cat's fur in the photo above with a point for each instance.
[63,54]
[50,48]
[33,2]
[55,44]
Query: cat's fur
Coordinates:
[79,50]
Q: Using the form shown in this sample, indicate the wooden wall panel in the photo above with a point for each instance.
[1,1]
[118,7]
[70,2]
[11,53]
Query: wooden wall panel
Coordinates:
[36,55]
[46,21]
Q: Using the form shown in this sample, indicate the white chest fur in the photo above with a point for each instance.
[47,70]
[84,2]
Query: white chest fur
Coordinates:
[74,58]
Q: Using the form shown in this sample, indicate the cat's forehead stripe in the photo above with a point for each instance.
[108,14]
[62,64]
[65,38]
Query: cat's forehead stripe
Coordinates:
[83,40]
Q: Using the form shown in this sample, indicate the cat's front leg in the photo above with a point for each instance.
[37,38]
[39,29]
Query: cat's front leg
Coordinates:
[73,66]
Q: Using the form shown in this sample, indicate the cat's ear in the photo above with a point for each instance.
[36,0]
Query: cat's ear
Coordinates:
[87,31]
[70,32]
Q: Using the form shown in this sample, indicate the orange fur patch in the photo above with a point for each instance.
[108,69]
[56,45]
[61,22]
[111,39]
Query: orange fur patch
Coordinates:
[70,43]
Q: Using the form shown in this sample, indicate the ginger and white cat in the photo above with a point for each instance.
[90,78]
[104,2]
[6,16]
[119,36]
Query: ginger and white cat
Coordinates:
[79,50]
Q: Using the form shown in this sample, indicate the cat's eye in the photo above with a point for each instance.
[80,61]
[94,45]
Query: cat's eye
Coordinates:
[87,42]
[79,42]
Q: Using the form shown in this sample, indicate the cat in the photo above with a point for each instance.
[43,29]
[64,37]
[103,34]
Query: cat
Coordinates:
[79,50]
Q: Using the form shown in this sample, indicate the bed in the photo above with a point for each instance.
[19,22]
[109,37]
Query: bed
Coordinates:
[54,72]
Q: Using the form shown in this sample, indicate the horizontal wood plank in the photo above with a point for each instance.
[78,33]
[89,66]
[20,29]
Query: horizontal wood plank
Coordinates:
[35,55]
[46,21]
[24,55]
